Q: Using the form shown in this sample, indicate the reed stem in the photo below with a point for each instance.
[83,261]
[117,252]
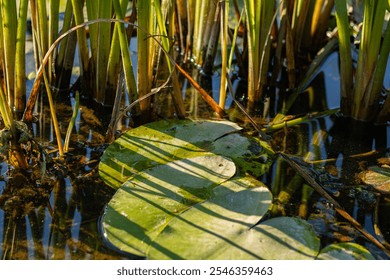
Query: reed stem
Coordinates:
[72,122]
[224,50]
[9,31]
[145,55]
[346,78]
[81,36]
[20,59]
[66,51]
[103,50]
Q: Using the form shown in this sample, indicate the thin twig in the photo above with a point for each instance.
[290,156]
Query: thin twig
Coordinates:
[72,122]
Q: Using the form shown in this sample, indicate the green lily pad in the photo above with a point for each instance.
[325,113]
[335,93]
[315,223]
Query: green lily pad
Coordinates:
[165,141]
[143,206]
[378,177]
[210,231]
[166,168]
[345,251]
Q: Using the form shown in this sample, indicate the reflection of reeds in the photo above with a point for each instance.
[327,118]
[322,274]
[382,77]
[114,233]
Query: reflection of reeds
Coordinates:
[62,226]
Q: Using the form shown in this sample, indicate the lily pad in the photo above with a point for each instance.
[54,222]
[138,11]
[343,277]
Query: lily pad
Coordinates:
[197,232]
[378,177]
[345,251]
[165,141]
[210,231]
[143,206]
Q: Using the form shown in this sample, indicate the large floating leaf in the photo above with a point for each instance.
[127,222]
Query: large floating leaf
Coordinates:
[143,206]
[165,141]
[209,231]
[345,251]
[179,199]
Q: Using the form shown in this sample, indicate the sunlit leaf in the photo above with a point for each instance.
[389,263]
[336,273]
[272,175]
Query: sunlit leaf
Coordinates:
[165,141]
[143,206]
[345,251]
[211,231]
[378,177]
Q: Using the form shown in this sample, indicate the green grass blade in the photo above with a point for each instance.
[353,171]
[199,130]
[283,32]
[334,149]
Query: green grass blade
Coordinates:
[252,52]
[92,13]
[361,72]
[103,51]
[224,50]
[20,59]
[9,27]
[124,47]
[53,115]
[202,10]
[66,51]
[81,36]
[5,110]
[43,28]
[300,11]
[346,78]
[114,60]
[54,10]
[375,87]
[166,45]
[145,54]
[374,12]
[72,122]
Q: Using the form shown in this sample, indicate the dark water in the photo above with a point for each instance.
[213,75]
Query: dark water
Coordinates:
[68,228]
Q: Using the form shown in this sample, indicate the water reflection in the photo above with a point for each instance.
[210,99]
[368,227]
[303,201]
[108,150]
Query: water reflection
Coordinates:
[63,225]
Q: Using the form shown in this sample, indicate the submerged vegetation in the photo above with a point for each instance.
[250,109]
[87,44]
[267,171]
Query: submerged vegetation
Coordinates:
[133,61]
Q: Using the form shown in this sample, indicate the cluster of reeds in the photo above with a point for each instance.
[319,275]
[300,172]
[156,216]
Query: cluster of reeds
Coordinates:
[361,89]
[275,35]
[102,51]
[265,40]
[45,25]
[12,57]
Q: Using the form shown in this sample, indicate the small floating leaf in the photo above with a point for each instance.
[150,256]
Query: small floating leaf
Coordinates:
[345,251]
[378,177]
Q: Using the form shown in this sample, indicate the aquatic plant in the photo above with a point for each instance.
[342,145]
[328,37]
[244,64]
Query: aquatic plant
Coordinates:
[361,88]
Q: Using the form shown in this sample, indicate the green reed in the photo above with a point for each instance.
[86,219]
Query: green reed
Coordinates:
[103,48]
[224,51]
[9,31]
[361,90]
[20,65]
[146,58]
[164,14]
[259,15]
[12,95]
[119,51]
[66,51]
